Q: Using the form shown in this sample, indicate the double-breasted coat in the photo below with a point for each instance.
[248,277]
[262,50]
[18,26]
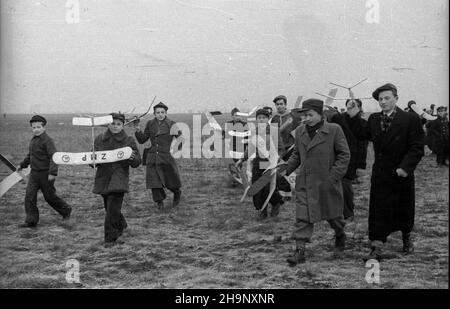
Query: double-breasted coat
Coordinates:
[392,198]
[113,177]
[323,163]
[162,171]
[438,132]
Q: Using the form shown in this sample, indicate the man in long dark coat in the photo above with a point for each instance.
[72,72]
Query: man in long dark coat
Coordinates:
[162,171]
[352,141]
[438,131]
[398,142]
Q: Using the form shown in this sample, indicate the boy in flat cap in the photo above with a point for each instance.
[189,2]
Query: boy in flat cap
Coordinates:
[323,155]
[162,171]
[398,142]
[438,131]
[111,179]
[260,164]
[42,175]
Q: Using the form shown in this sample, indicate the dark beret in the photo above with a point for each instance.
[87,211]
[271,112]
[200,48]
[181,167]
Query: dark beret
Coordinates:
[263,111]
[312,104]
[160,105]
[280,97]
[234,111]
[38,118]
[385,87]
[118,116]
[411,103]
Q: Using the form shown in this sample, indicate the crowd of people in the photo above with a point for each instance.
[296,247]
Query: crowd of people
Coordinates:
[321,145]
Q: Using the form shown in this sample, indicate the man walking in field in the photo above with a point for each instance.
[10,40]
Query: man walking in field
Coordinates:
[398,143]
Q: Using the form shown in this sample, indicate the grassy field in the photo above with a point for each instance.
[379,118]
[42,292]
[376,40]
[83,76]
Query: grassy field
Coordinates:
[211,241]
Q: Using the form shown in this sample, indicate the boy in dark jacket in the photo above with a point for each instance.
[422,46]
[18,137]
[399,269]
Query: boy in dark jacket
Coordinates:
[111,179]
[42,175]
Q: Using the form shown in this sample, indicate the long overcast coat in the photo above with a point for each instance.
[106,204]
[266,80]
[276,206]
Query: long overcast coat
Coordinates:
[162,171]
[323,163]
[392,198]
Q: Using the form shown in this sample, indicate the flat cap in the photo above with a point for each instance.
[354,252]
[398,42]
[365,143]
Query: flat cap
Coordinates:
[385,87]
[280,97]
[118,116]
[38,118]
[160,105]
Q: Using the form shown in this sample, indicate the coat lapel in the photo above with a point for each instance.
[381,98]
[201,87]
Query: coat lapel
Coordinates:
[304,137]
[319,137]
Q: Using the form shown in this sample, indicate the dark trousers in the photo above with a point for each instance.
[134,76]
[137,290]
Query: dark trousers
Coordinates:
[159,194]
[115,222]
[39,181]
[442,153]
[349,205]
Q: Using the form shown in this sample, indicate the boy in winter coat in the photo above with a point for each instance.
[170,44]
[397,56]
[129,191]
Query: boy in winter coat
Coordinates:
[111,179]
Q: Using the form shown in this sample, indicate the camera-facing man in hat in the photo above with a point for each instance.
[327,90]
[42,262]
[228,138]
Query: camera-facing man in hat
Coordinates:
[162,171]
[398,142]
[323,152]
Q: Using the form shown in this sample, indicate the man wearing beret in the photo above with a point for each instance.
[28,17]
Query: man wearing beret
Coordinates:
[438,131]
[43,174]
[162,171]
[398,143]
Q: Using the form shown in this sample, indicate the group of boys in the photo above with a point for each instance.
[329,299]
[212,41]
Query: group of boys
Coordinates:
[322,146]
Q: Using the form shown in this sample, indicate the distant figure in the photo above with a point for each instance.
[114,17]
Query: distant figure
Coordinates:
[431,110]
[438,131]
[43,174]
[4,115]
[236,124]
[352,141]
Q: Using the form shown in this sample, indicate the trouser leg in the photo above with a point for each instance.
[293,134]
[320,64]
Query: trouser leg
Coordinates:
[348,198]
[31,210]
[113,218]
[303,231]
[338,225]
[158,194]
[49,192]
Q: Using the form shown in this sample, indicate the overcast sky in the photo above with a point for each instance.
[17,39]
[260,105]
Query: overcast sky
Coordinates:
[198,55]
